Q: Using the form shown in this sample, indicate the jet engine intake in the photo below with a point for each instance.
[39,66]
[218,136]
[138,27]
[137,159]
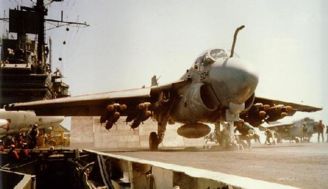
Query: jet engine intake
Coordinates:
[197,104]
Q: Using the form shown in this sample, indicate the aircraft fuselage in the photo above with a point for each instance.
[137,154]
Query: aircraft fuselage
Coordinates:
[218,83]
[17,120]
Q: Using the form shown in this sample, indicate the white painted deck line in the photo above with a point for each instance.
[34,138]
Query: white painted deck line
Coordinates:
[237,181]
[25,180]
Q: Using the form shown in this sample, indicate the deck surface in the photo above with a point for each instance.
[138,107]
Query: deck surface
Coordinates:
[299,165]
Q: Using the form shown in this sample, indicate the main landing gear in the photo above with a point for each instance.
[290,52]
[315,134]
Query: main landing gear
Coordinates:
[156,138]
[153,141]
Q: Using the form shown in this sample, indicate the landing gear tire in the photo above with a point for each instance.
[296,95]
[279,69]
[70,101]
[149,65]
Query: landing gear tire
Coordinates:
[153,141]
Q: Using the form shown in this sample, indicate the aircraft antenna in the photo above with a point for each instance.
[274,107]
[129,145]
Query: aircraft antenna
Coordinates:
[234,39]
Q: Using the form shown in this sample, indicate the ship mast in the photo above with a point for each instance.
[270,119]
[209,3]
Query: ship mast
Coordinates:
[41,12]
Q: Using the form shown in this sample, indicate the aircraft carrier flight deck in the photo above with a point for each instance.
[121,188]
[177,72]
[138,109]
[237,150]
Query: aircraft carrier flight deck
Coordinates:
[298,165]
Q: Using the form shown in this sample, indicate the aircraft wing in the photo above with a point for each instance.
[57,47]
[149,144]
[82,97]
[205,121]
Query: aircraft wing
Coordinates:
[295,106]
[270,110]
[276,126]
[84,105]
[95,104]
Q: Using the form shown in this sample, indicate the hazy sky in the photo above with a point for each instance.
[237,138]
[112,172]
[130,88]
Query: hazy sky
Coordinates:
[129,41]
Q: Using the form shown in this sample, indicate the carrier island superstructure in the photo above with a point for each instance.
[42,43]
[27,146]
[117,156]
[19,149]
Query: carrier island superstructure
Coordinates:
[26,71]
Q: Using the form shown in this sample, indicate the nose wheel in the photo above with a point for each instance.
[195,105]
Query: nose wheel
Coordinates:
[232,115]
[153,141]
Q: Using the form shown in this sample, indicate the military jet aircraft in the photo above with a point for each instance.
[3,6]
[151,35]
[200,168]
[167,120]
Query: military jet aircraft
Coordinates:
[218,87]
[12,122]
[298,131]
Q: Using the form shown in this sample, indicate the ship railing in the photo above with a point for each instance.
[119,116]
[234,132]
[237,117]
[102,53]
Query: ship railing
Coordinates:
[21,66]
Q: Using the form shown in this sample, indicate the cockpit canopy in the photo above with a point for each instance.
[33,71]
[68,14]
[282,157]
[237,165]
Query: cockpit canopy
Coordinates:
[210,57]
[215,54]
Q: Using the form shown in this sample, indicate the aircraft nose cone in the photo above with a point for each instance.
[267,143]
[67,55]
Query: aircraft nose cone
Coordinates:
[3,122]
[233,82]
